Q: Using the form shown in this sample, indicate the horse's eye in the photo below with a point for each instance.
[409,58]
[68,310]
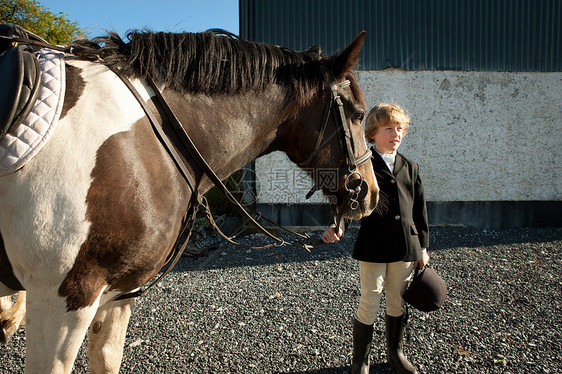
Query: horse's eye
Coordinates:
[359,115]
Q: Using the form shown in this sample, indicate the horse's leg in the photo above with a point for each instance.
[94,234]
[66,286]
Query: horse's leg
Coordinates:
[54,334]
[12,316]
[107,336]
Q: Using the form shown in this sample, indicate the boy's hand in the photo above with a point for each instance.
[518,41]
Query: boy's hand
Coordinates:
[421,263]
[330,235]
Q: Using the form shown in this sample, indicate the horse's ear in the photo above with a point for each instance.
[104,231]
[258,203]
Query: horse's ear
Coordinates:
[346,60]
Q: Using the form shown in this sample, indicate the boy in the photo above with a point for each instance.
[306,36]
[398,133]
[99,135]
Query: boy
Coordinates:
[391,241]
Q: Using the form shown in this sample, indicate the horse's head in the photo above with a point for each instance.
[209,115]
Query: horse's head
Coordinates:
[330,144]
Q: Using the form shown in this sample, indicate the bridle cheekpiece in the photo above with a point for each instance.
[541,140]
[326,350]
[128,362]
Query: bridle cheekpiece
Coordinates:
[346,145]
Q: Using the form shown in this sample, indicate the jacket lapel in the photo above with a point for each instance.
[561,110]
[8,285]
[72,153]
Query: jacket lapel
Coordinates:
[398,163]
[379,164]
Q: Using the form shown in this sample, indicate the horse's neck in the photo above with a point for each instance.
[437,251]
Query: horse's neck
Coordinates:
[230,131]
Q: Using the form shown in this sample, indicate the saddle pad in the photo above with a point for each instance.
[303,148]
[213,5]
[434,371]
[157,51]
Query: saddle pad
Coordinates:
[19,146]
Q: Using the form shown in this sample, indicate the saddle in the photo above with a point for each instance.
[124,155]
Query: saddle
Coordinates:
[21,77]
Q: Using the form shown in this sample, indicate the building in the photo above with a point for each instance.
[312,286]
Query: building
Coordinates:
[481,80]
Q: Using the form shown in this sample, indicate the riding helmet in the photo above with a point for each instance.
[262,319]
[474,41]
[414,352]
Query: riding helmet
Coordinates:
[427,291]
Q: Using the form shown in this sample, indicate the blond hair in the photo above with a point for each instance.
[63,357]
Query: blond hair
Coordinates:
[384,114]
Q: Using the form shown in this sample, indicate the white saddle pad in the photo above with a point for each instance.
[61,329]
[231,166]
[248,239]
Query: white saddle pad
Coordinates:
[19,146]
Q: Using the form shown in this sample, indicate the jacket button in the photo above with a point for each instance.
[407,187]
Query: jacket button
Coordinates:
[397,218]
[392,181]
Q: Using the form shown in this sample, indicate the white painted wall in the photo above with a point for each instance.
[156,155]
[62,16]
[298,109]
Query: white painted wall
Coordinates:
[478,136]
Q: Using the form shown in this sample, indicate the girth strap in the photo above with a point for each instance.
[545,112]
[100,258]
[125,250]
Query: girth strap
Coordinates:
[189,219]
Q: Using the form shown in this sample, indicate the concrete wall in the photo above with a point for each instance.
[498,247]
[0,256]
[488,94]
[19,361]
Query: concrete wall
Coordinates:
[479,137]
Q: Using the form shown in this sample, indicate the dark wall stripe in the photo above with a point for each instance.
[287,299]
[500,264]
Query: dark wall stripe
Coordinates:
[494,35]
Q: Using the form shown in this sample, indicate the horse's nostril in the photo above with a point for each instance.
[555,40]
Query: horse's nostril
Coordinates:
[354,184]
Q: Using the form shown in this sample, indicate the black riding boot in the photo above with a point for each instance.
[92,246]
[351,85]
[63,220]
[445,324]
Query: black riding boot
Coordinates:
[394,335]
[362,338]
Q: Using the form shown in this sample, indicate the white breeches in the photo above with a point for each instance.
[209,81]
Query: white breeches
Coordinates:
[393,277]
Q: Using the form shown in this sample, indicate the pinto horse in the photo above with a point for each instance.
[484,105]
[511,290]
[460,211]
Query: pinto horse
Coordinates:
[95,214]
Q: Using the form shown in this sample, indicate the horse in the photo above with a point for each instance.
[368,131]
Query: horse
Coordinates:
[12,315]
[95,214]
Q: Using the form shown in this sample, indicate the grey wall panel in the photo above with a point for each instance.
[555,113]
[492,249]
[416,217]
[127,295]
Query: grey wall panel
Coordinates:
[497,35]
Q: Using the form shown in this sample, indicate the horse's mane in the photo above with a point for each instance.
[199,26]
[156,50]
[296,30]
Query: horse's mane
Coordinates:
[212,62]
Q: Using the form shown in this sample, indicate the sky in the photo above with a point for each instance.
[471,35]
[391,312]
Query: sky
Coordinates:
[97,17]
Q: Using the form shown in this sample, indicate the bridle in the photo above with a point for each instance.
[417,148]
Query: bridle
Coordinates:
[346,146]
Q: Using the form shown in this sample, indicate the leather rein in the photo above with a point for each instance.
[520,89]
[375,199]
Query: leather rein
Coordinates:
[200,162]
[346,147]
[198,159]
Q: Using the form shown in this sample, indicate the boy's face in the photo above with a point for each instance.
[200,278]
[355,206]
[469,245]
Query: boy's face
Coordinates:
[388,138]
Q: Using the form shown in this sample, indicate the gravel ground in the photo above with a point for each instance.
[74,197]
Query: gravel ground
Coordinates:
[284,310]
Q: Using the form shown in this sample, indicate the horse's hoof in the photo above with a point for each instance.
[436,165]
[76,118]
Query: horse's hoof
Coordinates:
[3,339]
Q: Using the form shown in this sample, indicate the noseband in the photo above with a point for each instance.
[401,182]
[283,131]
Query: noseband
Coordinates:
[346,145]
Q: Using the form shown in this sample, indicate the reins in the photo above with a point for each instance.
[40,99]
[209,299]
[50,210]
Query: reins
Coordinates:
[196,157]
[193,154]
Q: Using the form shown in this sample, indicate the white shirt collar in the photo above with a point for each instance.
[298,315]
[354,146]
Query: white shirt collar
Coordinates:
[388,159]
